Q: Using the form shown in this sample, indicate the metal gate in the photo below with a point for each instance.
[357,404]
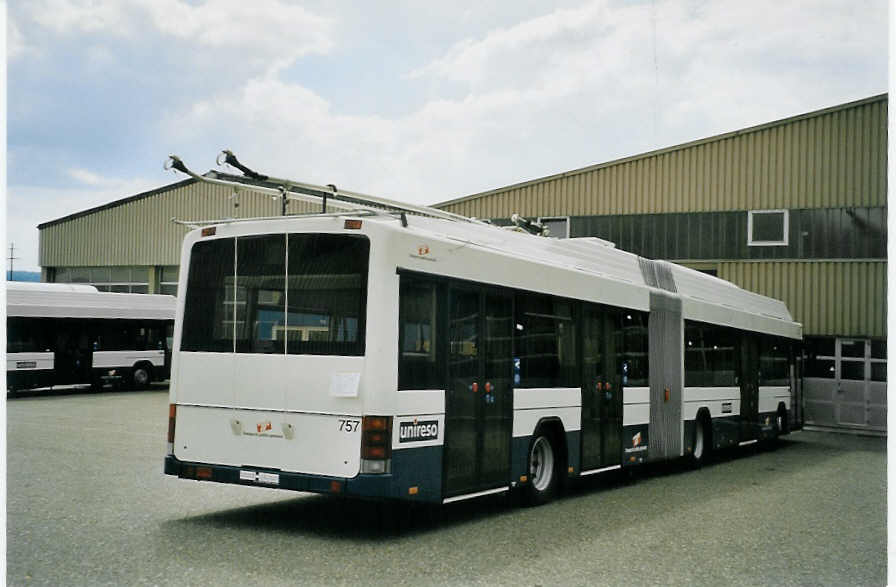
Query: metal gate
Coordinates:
[846,386]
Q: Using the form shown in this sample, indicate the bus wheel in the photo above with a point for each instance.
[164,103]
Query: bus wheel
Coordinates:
[542,470]
[140,377]
[702,442]
[781,421]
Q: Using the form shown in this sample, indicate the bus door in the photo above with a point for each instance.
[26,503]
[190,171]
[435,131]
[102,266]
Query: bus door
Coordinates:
[601,390]
[749,387]
[479,396]
[72,355]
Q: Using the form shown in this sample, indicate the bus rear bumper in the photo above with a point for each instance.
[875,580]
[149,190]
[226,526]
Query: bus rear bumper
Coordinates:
[360,486]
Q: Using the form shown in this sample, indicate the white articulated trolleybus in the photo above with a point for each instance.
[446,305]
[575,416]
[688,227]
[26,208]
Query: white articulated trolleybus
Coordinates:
[396,352]
[61,334]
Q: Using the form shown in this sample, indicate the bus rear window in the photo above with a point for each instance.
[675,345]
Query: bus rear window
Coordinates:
[326,294]
[275,294]
[208,307]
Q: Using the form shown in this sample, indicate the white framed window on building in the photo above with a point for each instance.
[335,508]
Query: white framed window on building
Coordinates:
[767,228]
[557,225]
[168,275]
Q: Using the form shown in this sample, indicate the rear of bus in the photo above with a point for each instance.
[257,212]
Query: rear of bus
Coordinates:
[274,378]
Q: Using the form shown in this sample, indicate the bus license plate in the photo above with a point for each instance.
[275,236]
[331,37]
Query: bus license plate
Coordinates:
[260,477]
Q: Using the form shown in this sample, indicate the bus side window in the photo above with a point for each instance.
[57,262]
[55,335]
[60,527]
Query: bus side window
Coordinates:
[419,364]
[774,361]
[631,342]
[545,341]
[710,358]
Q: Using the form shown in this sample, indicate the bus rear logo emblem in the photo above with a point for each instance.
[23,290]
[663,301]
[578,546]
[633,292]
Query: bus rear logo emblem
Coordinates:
[423,250]
[418,431]
[263,426]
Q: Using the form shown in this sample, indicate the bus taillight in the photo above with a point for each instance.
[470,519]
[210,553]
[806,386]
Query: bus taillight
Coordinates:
[376,444]
[172,413]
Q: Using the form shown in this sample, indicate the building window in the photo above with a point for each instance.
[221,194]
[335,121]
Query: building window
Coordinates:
[846,359]
[168,276]
[767,228]
[821,358]
[878,360]
[557,226]
[111,279]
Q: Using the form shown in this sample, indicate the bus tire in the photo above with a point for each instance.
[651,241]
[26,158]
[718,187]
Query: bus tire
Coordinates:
[702,440]
[543,469]
[781,425]
[141,375]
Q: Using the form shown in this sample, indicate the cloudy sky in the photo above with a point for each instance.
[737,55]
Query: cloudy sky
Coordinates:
[412,100]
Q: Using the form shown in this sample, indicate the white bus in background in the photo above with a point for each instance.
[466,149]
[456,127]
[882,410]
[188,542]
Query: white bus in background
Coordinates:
[434,359]
[63,334]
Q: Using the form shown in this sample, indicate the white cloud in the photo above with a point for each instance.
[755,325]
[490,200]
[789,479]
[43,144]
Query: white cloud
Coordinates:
[72,16]
[270,34]
[476,60]
[16,46]
[89,178]
[270,29]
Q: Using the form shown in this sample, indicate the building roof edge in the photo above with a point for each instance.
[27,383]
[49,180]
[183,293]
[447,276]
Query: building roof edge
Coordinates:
[116,203]
[664,150]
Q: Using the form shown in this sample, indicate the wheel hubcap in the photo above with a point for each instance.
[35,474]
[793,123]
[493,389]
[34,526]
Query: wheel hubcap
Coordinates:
[140,376]
[541,463]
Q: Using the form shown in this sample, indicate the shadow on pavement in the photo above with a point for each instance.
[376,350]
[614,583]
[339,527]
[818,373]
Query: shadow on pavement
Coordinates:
[353,519]
[85,389]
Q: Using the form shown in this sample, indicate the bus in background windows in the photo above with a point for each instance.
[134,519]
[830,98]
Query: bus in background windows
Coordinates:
[61,334]
[423,358]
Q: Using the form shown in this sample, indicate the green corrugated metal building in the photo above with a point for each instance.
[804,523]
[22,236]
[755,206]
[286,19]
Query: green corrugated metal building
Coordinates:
[794,209]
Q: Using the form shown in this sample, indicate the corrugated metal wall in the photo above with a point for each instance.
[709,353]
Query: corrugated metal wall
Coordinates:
[835,157]
[141,232]
[844,298]
[816,233]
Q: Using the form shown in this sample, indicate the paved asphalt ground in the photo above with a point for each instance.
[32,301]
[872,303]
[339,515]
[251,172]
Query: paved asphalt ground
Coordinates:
[88,504]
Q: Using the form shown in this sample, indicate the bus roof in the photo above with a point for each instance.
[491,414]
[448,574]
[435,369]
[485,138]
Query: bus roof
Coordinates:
[704,297]
[62,300]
